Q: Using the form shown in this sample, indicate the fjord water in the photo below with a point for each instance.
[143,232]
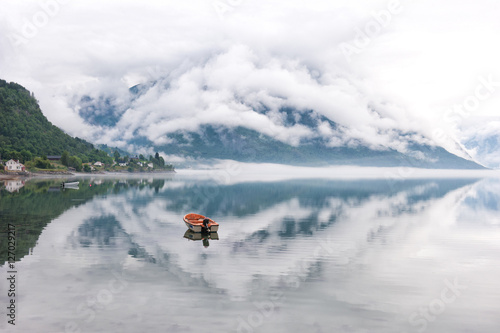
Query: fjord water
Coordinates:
[298,255]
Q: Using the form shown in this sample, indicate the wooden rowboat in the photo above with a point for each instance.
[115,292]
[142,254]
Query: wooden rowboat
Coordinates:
[200,223]
[70,184]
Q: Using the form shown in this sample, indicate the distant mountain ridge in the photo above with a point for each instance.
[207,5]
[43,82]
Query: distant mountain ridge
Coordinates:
[247,145]
[216,141]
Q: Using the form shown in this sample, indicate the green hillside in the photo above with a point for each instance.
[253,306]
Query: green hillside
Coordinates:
[24,128]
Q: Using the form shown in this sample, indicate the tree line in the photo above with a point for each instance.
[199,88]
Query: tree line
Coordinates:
[26,134]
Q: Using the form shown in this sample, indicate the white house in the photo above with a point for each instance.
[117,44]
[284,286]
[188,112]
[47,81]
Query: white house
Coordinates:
[122,164]
[14,165]
[99,164]
[150,165]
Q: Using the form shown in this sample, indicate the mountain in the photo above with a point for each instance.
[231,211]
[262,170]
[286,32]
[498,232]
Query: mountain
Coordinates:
[482,139]
[23,127]
[247,145]
[485,149]
[216,140]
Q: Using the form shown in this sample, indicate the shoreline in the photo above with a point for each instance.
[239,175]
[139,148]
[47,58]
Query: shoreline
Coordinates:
[242,172]
[67,174]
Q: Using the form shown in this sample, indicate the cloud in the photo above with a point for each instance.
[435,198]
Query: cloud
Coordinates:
[233,87]
[240,67]
[481,135]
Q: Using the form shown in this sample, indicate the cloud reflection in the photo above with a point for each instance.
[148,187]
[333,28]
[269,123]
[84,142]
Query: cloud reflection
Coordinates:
[353,255]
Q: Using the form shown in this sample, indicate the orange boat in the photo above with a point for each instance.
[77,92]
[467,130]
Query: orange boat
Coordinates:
[200,223]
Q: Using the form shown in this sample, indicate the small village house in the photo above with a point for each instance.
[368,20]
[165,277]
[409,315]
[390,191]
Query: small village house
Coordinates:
[99,164]
[14,165]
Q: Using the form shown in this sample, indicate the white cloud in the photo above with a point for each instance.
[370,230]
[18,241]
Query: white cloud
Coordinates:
[210,70]
[482,136]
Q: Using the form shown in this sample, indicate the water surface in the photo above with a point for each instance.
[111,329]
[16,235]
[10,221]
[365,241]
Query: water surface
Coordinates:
[313,255]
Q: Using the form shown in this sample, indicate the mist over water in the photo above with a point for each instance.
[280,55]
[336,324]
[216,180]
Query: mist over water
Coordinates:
[291,255]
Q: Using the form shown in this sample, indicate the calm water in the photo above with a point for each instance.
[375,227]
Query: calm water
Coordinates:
[291,256]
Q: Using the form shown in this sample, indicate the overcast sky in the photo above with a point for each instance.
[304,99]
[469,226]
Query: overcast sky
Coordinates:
[411,61]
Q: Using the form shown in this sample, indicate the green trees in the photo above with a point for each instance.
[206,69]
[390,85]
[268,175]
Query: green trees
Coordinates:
[99,155]
[159,162]
[26,135]
[65,158]
[24,129]
[26,156]
[42,163]
[75,162]
[10,154]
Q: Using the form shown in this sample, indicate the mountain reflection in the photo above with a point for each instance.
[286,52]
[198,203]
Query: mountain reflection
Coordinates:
[254,211]
[255,217]
[304,238]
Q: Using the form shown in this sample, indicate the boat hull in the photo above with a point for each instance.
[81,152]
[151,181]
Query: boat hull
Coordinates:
[195,223]
[70,184]
[195,228]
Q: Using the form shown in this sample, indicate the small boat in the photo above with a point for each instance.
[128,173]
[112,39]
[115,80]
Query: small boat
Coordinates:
[200,223]
[69,184]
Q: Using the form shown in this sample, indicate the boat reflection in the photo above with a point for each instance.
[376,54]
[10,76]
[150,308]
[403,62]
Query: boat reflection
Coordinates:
[203,236]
